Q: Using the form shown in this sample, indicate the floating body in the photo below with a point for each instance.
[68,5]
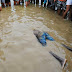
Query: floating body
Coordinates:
[67,47]
[61,60]
[42,36]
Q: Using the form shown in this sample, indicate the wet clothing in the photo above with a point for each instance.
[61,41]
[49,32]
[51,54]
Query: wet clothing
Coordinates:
[61,4]
[42,38]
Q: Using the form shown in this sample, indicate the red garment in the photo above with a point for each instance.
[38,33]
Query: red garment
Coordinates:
[61,0]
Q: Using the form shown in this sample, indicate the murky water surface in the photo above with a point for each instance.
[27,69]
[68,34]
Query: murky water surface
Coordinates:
[19,49]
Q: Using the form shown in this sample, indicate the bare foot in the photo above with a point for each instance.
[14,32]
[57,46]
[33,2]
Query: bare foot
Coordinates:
[64,63]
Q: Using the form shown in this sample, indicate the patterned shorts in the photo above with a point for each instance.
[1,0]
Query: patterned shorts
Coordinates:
[61,5]
[7,1]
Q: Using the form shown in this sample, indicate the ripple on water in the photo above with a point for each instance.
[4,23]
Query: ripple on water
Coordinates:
[1,40]
[24,52]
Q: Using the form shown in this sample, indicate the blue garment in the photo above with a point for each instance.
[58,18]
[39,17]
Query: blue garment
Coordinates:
[48,37]
[45,1]
[48,0]
[42,39]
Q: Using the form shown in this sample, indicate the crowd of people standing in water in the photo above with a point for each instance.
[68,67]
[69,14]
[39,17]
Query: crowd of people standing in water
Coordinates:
[63,7]
[4,3]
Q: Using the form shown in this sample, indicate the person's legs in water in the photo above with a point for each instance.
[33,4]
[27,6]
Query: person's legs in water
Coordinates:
[8,2]
[17,1]
[52,2]
[63,7]
[14,2]
[55,3]
[3,3]
[70,15]
[0,6]
[27,2]
[68,3]
[20,2]
[59,7]
[67,9]
[45,1]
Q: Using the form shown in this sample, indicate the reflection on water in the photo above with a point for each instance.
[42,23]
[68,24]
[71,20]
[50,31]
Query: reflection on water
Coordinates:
[19,48]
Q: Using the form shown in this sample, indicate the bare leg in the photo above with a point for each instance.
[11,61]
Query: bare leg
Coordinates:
[3,5]
[26,3]
[0,8]
[29,2]
[14,2]
[59,11]
[9,4]
[61,60]
[67,9]
[17,2]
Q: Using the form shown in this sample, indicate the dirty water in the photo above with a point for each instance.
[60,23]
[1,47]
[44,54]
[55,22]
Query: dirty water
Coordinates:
[19,49]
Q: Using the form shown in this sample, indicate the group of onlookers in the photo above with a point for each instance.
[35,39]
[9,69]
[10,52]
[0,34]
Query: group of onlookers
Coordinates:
[4,3]
[63,7]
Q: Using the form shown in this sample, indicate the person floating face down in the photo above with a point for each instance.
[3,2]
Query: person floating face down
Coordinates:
[27,2]
[61,4]
[68,6]
[42,36]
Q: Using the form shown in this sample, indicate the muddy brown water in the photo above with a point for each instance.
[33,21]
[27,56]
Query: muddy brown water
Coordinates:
[19,49]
